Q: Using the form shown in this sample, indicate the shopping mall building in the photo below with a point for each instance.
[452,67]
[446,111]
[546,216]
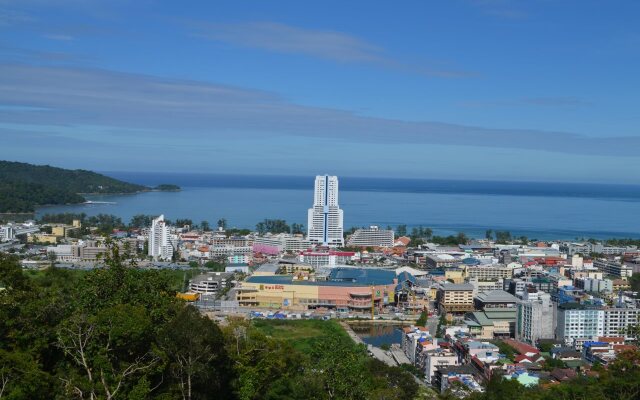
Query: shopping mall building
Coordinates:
[343,289]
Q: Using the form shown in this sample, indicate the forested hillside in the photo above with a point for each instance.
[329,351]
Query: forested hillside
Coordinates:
[120,333]
[24,186]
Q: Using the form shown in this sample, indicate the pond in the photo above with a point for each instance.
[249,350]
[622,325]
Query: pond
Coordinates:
[378,334]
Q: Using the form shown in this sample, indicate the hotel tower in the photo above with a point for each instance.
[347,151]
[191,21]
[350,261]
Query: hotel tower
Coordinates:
[325,217]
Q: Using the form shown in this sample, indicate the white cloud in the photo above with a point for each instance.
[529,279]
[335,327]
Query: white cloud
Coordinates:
[322,44]
[169,108]
[60,37]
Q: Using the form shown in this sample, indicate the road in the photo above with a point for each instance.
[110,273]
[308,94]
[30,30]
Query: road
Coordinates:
[432,324]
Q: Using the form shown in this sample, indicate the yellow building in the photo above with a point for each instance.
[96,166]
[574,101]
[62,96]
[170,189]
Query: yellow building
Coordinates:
[345,289]
[60,231]
[42,238]
[455,275]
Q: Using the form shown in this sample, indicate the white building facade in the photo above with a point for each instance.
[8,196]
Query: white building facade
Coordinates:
[160,243]
[372,236]
[325,218]
[536,318]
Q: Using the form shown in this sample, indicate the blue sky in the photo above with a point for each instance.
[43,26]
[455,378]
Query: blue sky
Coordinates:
[470,89]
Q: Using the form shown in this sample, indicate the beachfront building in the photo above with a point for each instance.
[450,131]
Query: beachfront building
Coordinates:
[371,237]
[325,218]
[160,247]
[344,289]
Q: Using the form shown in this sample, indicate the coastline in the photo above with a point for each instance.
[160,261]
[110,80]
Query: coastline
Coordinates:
[551,218]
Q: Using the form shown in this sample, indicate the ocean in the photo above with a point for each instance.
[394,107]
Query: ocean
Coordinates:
[532,209]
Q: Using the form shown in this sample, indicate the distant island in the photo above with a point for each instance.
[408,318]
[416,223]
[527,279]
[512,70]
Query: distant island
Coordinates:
[167,187]
[24,186]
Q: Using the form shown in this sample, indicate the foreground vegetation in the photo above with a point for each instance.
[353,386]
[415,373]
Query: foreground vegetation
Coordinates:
[119,333]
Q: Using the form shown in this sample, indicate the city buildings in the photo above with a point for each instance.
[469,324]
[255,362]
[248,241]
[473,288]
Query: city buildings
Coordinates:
[326,257]
[598,248]
[371,237]
[347,289]
[587,321]
[455,298]
[325,218]
[617,319]
[436,359]
[536,317]
[209,284]
[283,242]
[595,285]
[7,233]
[489,272]
[613,268]
[160,246]
[11,230]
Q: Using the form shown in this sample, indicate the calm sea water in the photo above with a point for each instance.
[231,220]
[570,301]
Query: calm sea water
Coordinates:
[536,210]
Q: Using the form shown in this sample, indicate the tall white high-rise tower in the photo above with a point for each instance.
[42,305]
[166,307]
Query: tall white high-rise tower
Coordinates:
[325,217]
[160,246]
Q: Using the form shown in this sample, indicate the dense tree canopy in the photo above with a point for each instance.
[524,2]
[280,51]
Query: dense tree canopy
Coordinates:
[24,186]
[273,226]
[119,332]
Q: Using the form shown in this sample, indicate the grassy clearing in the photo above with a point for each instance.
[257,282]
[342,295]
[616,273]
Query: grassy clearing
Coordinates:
[38,274]
[179,279]
[300,333]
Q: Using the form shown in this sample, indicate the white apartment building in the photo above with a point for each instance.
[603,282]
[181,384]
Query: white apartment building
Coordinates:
[535,318]
[326,258]
[617,319]
[160,241]
[613,268]
[438,358]
[325,218]
[482,286]
[588,248]
[577,321]
[228,251]
[11,230]
[6,233]
[372,237]
[282,242]
[596,285]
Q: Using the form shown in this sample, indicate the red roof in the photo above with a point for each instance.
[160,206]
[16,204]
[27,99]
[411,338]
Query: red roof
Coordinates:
[521,348]
[611,339]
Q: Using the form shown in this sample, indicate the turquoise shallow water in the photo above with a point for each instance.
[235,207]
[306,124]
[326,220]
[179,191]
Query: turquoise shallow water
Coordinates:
[543,211]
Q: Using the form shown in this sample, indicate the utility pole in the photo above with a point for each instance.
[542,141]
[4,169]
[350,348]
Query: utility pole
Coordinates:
[373,302]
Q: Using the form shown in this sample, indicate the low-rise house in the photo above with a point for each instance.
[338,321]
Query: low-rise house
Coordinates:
[436,359]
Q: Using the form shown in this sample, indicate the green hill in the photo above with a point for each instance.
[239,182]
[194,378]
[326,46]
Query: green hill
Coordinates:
[24,186]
